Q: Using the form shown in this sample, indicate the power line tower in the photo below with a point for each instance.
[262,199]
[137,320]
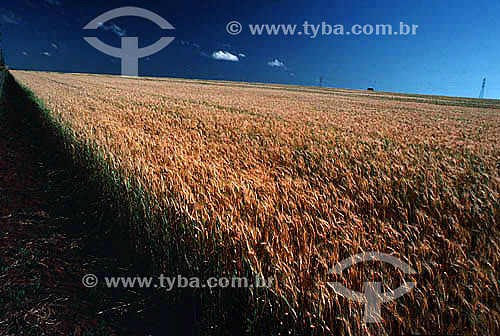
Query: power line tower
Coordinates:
[483,86]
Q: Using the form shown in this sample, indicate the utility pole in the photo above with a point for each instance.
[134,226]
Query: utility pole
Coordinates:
[483,86]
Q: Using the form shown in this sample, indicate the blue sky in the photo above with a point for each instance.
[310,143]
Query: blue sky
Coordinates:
[457,42]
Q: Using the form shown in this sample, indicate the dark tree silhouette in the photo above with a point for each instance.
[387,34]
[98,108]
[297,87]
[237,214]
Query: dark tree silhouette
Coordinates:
[2,59]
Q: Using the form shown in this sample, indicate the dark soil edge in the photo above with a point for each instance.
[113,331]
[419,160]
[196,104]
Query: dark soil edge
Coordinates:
[67,230]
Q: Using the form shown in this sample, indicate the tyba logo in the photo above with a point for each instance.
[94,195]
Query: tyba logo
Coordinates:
[129,51]
[372,296]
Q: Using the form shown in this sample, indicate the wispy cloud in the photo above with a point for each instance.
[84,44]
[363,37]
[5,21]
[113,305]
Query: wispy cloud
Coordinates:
[24,53]
[225,56]
[54,45]
[189,44]
[46,53]
[276,63]
[242,55]
[114,28]
[57,3]
[9,17]
[31,4]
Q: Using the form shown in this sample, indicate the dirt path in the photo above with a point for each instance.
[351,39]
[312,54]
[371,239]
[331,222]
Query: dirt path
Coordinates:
[39,265]
[43,257]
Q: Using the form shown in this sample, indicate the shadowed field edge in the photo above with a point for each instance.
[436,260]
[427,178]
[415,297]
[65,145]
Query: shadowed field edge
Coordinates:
[171,252]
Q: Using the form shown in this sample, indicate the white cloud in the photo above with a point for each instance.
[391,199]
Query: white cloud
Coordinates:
[24,53]
[45,53]
[276,63]
[242,55]
[9,17]
[114,28]
[55,46]
[57,3]
[225,56]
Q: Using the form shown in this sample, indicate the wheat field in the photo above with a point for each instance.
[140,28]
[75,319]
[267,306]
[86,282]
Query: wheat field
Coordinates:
[288,181]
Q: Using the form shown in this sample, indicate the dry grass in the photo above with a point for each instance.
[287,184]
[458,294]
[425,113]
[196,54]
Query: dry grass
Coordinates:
[289,182]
